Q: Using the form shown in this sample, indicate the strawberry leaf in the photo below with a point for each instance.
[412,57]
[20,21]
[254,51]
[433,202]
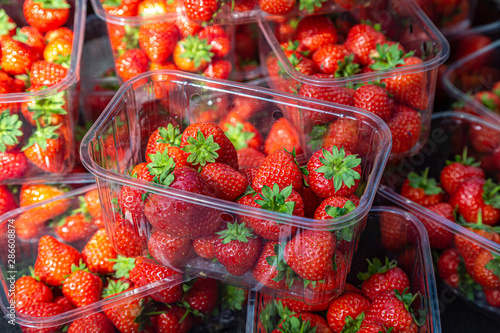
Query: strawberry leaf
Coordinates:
[338,211]
[41,136]
[53,4]
[494,265]
[338,166]
[196,49]
[201,150]
[464,159]
[491,195]
[161,167]
[170,135]
[5,24]
[123,265]
[310,5]
[233,297]
[274,200]
[10,130]
[236,232]
[429,185]
[347,67]
[238,137]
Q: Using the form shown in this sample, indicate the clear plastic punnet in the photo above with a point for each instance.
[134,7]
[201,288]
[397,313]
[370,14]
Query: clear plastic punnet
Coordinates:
[451,132]
[289,64]
[117,142]
[411,250]
[476,73]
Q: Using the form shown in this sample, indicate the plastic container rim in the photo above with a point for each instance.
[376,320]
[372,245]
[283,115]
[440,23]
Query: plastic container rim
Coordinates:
[360,212]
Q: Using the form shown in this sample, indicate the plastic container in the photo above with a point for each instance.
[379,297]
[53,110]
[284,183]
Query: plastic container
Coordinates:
[450,18]
[415,259]
[404,23]
[449,135]
[25,256]
[474,73]
[247,66]
[116,143]
[67,87]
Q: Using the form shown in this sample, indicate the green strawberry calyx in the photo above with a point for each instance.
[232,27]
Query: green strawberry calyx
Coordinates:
[46,107]
[429,185]
[170,135]
[112,3]
[201,150]
[407,300]
[10,130]
[317,134]
[236,232]
[53,4]
[375,267]
[20,36]
[491,194]
[161,167]
[478,225]
[334,211]
[114,287]
[41,136]
[347,67]
[388,56]
[466,283]
[238,136]
[295,324]
[464,159]
[275,200]
[233,297]
[352,325]
[5,24]
[63,60]
[310,5]
[339,167]
[122,267]
[284,271]
[274,312]
[494,265]
[196,49]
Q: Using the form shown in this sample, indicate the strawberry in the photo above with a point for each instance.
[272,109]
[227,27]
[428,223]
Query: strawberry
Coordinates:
[237,248]
[368,327]
[31,194]
[46,15]
[93,204]
[147,271]
[33,38]
[219,69]
[382,277]
[62,32]
[334,172]
[174,319]
[286,201]
[492,296]
[158,40]
[392,232]
[299,306]
[279,168]
[304,322]
[361,39]
[329,56]
[54,260]
[7,200]
[131,63]
[169,250]
[82,287]
[470,250]
[162,138]
[44,73]
[310,254]
[487,270]
[186,26]
[439,237]
[7,25]
[155,7]
[206,142]
[455,172]
[447,267]
[277,7]
[201,10]
[74,227]
[127,240]
[488,99]
[204,247]
[374,99]
[334,207]
[344,311]
[341,133]
[314,32]
[17,57]
[48,111]
[97,322]
[218,38]
[484,139]
[64,303]
[59,51]
[406,127]
[41,310]
[241,134]
[202,295]
[98,253]
[121,7]
[392,309]
[282,135]
[45,149]
[11,133]
[340,95]
[250,159]
[476,195]
[421,189]
[193,54]
[29,290]
[271,269]
[227,183]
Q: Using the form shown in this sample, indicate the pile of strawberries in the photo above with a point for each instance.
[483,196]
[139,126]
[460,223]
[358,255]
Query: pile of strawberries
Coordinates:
[463,196]
[383,304]
[489,98]
[446,13]
[314,47]
[35,134]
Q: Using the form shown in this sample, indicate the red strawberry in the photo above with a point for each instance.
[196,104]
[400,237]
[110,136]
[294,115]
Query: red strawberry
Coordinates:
[421,189]
[186,26]
[484,139]
[33,38]
[46,149]
[62,32]
[344,310]
[93,204]
[492,296]
[368,327]
[237,248]
[380,278]
[33,194]
[299,306]
[314,32]
[270,269]
[374,99]
[470,250]
[44,73]
[489,99]
[279,168]
[324,178]
[334,207]
[392,232]
[75,227]
[241,134]
[82,287]
[304,322]
[46,15]
[250,159]
[227,183]
[219,69]
[131,63]
[447,267]
[54,260]
[127,240]
[201,10]
[147,271]
[193,54]
[161,139]
[41,310]
[487,270]
[217,37]
[97,322]
[59,51]
[282,136]
[98,253]
[340,133]
[406,127]
[277,7]
[122,7]
[169,250]
[7,200]
[174,319]
[202,295]
[439,237]
[17,57]
[329,58]
[361,39]
[455,172]
[158,40]
[7,25]
[30,290]
[204,247]
[64,303]
[286,201]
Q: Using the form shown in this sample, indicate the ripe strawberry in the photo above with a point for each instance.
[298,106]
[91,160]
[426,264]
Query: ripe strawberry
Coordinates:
[475,195]
[304,322]
[325,180]
[282,135]
[174,319]
[421,189]
[62,32]
[392,232]
[29,290]
[7,200]
[7,25]
[93,204]
[41,310]
[277,7]
[219,69]
[279,168]
[470,250]
[237,248]
[122,7]
[202,295]
[374,99]
[447,267]
[46,15]
[487,270]
[186,26]
[368,327]
[193,54]
[98,253]
[488,99]
[77,226]
[44,73]
[329,56]
[82,287]
[227,183]
[340,133]
[64,303]
[344,310]
[406,127]
[314,32]
[271,270]
[484,139]
[204,247]
[131,63]
[492,296]
[45,149]
[147,271]
[455,172]
[33,38]
[310,254]
[158,40]
[338,95]
[218,38]
[334,207]
[241,134]
[155,7]
[439,237]
[162,138]
[311,201]
[127,240]
[31,194]
[299,306]
[169,250]
[17,57]
[59,51]
[361,39]
[206,142]
[54,260]
[97,322]
[382,277]
[201,10]
[250,159]
[392,309]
